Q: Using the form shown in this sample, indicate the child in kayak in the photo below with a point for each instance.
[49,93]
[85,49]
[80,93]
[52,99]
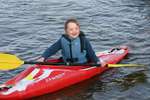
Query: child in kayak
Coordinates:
[74,46]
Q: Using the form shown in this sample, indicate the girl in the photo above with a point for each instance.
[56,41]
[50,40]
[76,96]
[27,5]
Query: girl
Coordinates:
[74,46]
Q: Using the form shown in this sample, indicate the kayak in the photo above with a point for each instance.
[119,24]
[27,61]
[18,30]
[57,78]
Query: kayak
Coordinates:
[43,79]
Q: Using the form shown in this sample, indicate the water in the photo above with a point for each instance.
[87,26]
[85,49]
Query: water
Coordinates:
[28,27]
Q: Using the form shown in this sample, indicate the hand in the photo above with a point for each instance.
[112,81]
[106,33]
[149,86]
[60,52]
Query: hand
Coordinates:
[41,59]
[103,63]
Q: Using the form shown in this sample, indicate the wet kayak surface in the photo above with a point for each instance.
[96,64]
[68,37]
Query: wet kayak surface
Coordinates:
[28,27]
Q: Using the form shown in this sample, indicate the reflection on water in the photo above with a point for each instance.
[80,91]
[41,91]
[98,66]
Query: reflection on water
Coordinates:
[131,80]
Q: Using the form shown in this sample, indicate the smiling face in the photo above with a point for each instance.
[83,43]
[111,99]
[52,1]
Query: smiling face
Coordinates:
[72,28]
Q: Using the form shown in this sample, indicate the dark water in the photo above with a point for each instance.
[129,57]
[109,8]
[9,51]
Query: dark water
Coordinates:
[28,27]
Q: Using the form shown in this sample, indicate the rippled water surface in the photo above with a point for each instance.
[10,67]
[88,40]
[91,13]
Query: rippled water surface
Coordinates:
[28,27]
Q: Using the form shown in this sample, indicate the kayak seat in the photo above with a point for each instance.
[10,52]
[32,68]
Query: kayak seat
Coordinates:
[114,49]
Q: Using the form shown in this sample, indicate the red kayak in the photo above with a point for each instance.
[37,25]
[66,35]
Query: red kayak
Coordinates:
[42,79]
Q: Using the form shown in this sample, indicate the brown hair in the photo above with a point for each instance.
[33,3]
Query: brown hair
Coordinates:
[72,20]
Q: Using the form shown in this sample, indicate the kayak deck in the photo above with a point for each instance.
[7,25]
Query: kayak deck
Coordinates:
[41,79]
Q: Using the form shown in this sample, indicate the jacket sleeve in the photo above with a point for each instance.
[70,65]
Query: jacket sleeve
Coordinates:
[90,52]
[52,49]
